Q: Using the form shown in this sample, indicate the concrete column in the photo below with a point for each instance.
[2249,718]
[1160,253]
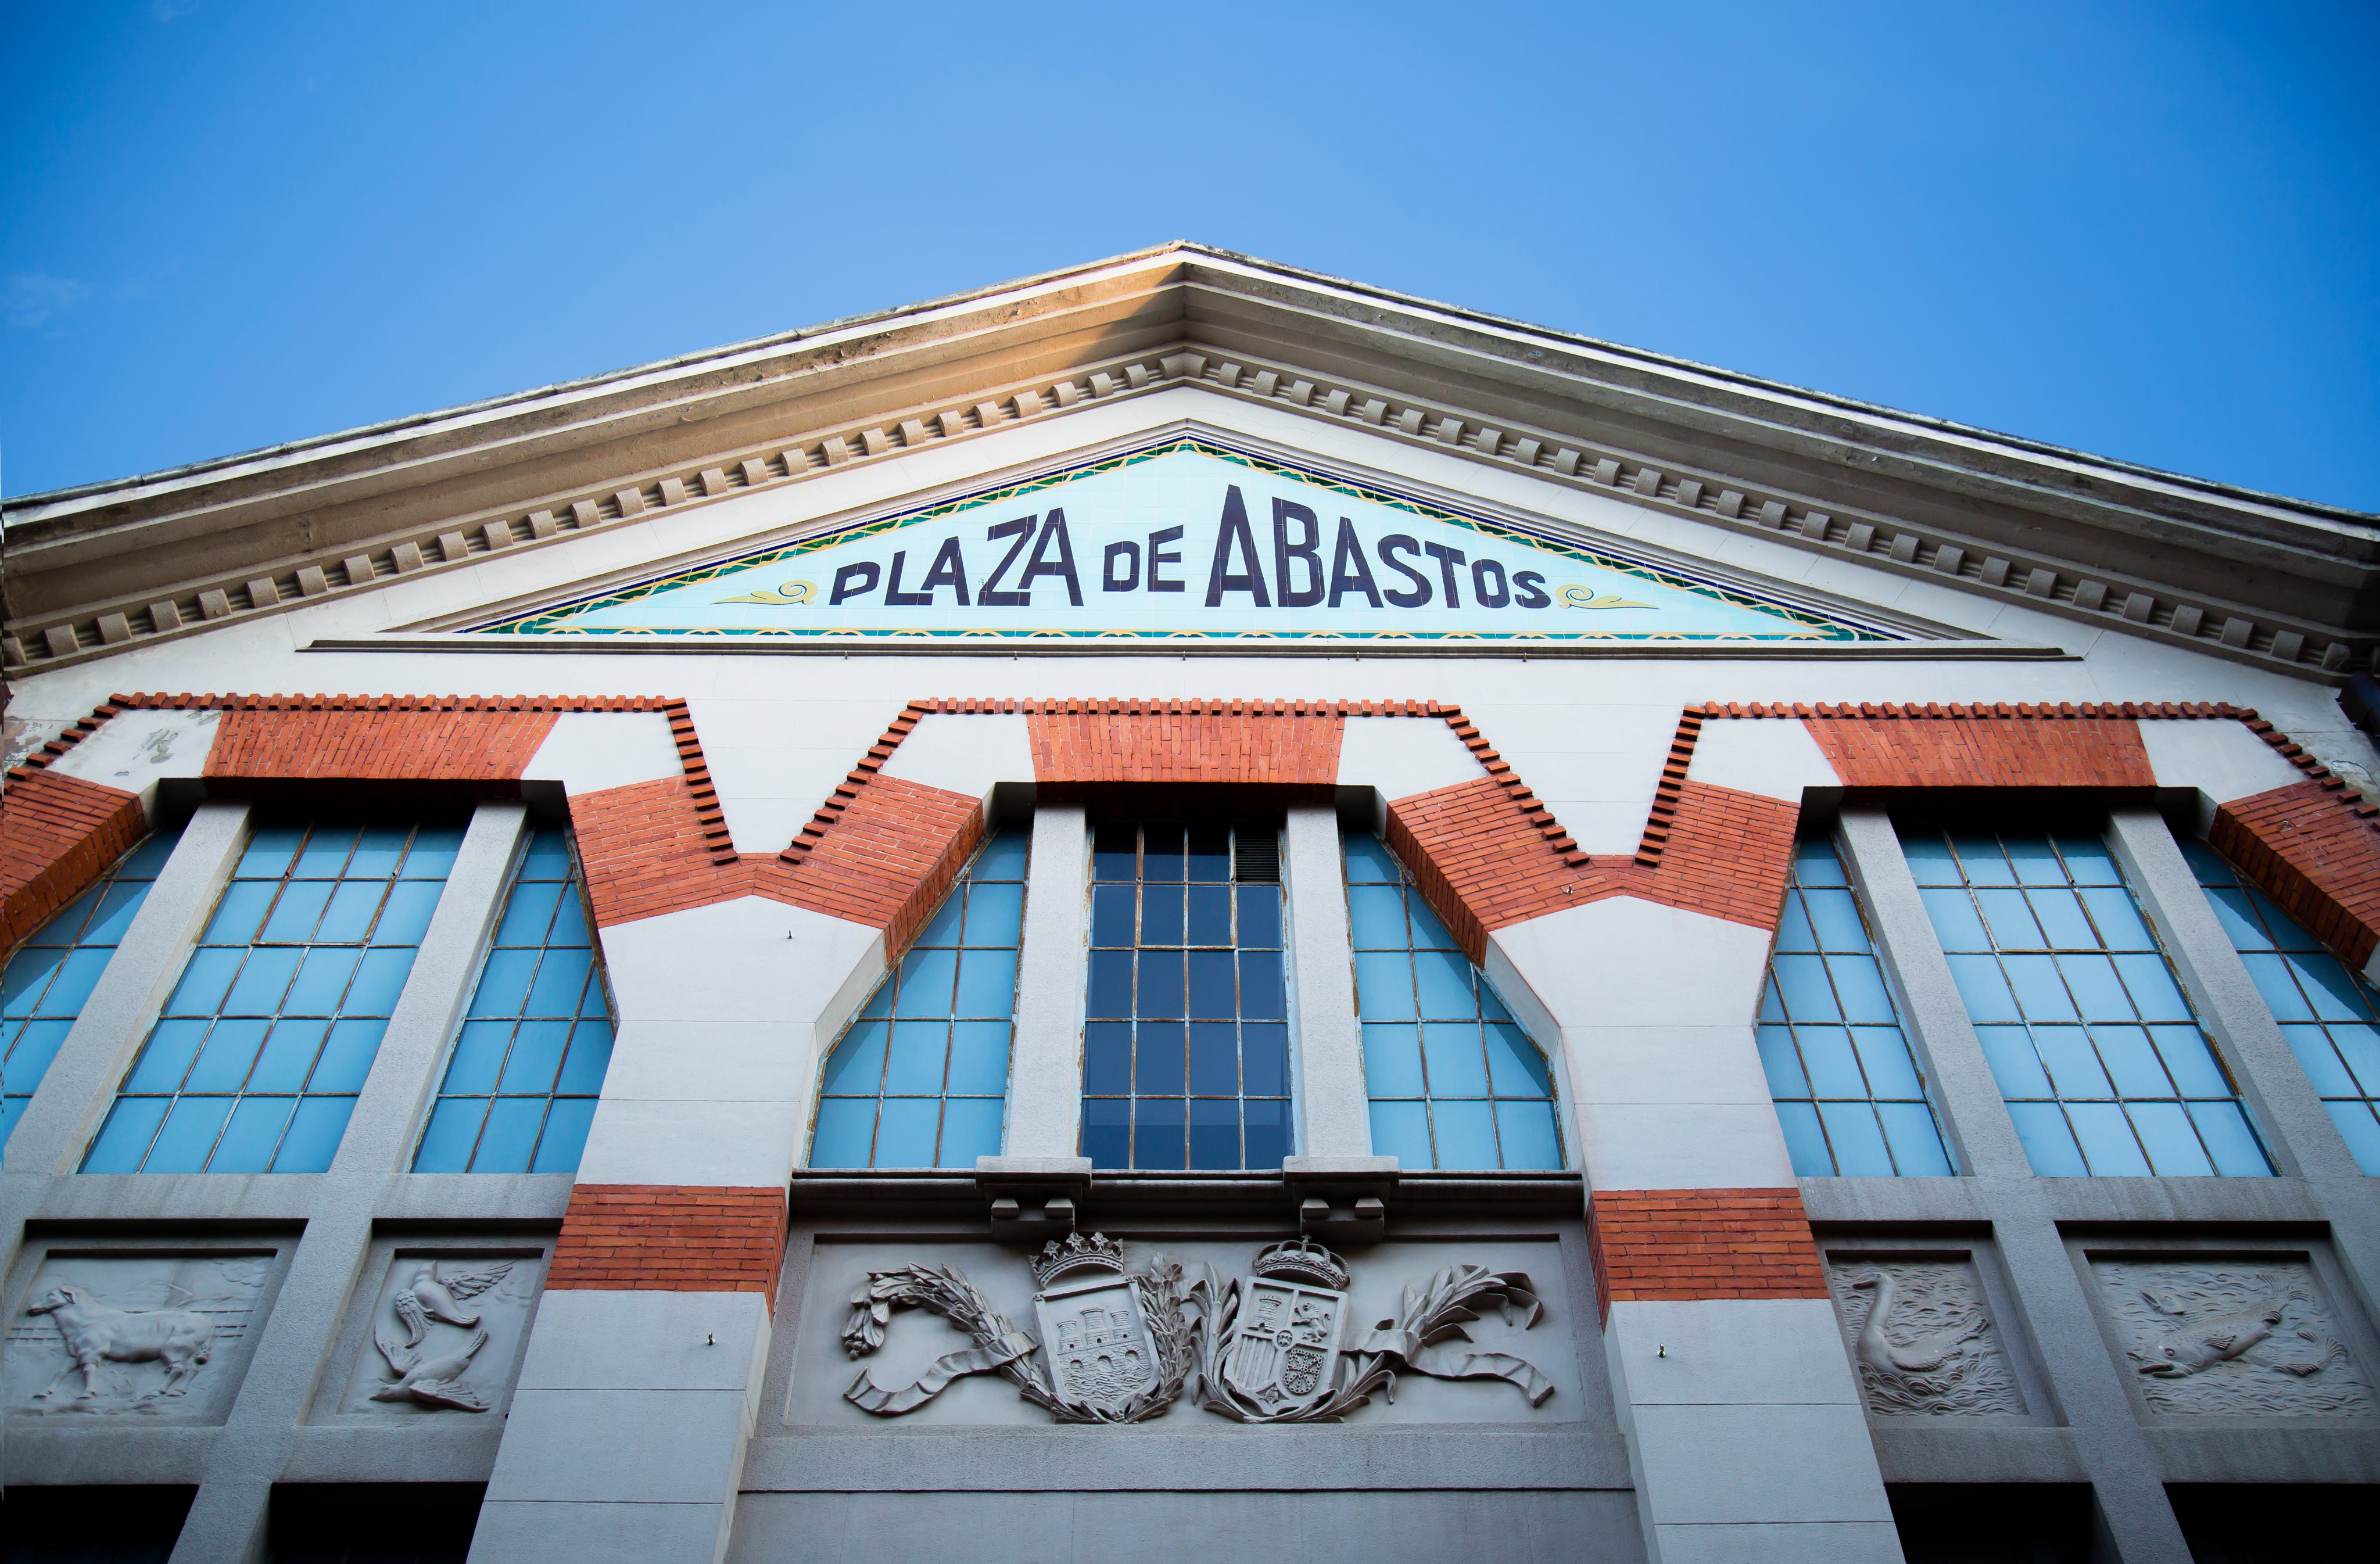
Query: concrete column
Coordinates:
[1746,1435]
[1334,1113]
[2135,1521]
[227,1519]
[1044,1073]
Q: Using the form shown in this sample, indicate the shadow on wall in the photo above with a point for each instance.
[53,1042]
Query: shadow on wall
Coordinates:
[121,1525]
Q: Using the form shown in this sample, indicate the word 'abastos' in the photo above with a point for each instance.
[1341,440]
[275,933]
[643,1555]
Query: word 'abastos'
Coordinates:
[1411,573]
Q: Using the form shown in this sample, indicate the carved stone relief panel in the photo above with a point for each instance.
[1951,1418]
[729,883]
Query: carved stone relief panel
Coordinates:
[151,1332]
[1922,1337]
[437,1333]
[2251,1335]
[1207,1334]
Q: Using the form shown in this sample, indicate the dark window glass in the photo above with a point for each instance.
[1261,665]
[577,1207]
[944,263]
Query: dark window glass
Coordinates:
[1185,1041]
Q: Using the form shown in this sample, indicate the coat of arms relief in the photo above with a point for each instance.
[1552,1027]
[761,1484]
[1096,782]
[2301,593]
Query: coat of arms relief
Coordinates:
[1115,1344]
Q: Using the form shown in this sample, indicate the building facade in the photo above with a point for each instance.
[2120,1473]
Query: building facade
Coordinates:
[1177,907]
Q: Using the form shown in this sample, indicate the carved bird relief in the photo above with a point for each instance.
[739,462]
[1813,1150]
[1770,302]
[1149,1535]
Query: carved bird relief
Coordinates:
[1928,1355]
[433,1382]
[431,1296]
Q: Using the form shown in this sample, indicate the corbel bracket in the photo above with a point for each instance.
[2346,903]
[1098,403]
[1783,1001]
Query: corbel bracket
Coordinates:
[1341,1201]
[1034,1199]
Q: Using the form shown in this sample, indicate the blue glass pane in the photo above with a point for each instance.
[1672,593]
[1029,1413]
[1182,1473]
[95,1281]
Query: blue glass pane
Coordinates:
[312,1138]
[1815,864]
[1772,1003]
[1527,1133]
[1916,1143]
[2360,1046]
[148,860]
[1368,861]
[12,1108]
[1263,996]
[1860,986]
[432,856]
[1402,1130]
[269,851]
[970,1129]
[404,918]
[2132,1061]
[906,1131]
[942,928]
[2048,1143]
[913,1066]
[1214,1059]
[2172,1143]
[1107,1059]
[2228,1139]
[1514,1065]
[2014,1064]
[1429,932]
[536,1057]
[263,979]
[1804,1142]
[1835,915]
[297,913]
[2150,983]
[224,1063]
[846,1129]
[2088,862]
[1266,1128]
[379,980]
[1803,982]
[1491,1005]
[27,1059]
[1375,917]
[28,978]
[2359,1130]
[1466,1133]
[1442,978]
[251,1135]
[1929,859]
[503,982]
[2191,1062]
[1392,1060]
[453,1127]
[323,980]
[76,976]
[1384,988]
[1111,915]
[1981,859]
[1794,931]
[590,1060]
[2009,916]
[2097,993]
[1214,1133]
[182,1146]
[978,1065]
[2238,918]
[995,914]
[548,856]
[2061,917]
[528,913]
[2335,995]
[987,983]
[2277,982]
[165,1058]
[125,1137]
[346,1057]
[1107,1132]
[1833,1068]
[478,1055]
[2073,1063]
[1160,914]
[348,920]
[1781,1064]
[567,1123]
[1264,1061]
[2321,1062]
[561,979]
[2117,918]
[287,1059]
[569,923]
[378,853]
[1259,925]
[1158,1059]
[1109,990]
[1005,856]
[510,1136]
[1884,1055]
[1159,1133]
[1952,912]
[116,911]
[1858,1141]
[2107,1138]
[1457,1064]
[2040,989]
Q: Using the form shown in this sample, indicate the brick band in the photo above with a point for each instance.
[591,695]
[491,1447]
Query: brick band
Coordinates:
[1697,1244]
[2319,861]
[57,834]
[672,1238]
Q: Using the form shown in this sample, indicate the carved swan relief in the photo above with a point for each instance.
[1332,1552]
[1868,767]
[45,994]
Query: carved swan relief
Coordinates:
[1924,1343]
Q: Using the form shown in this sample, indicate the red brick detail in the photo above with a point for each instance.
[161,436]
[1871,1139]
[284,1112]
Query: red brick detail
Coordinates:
[392,745]
[671,1238]
[1478,853]
[896,847]
[1187,741]
[646,851]
[1669,789]
[2319,861]
[57,834]
[1999,752]
[1695,1243]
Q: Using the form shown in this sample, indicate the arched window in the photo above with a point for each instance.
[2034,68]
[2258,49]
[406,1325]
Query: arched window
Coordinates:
[1454,1080]
[920,1077]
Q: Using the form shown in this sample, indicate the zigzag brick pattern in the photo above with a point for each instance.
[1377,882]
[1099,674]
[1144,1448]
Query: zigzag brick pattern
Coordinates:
[57,834]
[2008,752]
[646,851]
[671,1238]
[1686,1245]
[393,745]
[1191,740]
[2320,862]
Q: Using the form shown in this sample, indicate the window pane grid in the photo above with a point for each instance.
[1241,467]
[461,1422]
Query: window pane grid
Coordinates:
[919,1079]
[2097,1052]
[1848,1095]
[521,1085]
[2329,1013]
[44,983]
[1185,1040]
[1454,1080]
[255,1061]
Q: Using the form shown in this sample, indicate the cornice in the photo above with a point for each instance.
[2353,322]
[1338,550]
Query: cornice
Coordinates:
[2248,577]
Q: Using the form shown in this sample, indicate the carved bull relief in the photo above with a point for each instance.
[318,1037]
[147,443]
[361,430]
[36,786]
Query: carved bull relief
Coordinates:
[132,1333]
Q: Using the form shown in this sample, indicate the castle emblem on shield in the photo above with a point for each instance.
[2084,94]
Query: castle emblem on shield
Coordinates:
[1281,1353]
[1101,1354]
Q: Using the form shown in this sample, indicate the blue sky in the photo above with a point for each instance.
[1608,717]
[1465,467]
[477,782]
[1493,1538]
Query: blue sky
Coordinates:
[2150,231]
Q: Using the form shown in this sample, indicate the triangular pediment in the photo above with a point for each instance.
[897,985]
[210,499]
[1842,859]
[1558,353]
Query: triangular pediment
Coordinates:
[1188,539]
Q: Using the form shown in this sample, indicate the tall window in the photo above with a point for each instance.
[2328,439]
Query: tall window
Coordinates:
[2330,1015]
[1186,1044]
[1848,1093]
[921,1078]
[256,1062]
[2096,1051]
[1453,1080]
[44,983]
[520,1089]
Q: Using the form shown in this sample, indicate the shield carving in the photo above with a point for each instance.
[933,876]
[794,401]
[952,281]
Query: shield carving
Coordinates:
[1283,1354]
[1101,1354]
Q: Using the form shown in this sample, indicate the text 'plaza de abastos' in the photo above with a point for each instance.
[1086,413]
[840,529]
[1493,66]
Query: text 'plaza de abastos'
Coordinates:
[1186,909]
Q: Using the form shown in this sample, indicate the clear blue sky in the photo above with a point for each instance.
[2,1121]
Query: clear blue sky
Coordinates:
[2150,230]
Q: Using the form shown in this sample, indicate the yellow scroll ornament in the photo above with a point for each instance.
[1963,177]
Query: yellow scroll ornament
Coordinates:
[791,592]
